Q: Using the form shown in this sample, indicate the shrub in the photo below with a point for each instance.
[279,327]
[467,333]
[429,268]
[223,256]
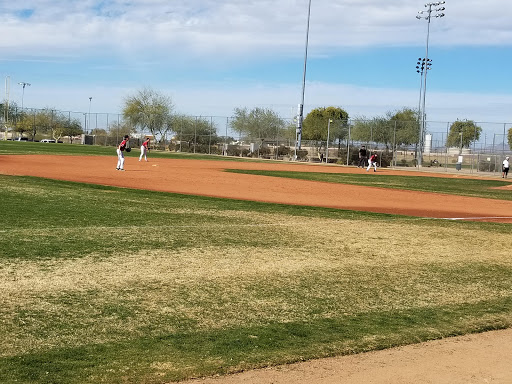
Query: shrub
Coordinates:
[233,150]
[302,154]
[283,151]
[245,152]
[486,166]
[386,158]
[354,156]
[264,152]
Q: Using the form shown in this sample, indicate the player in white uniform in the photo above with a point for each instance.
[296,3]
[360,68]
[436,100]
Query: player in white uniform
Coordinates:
[144,148]
[506,167]
[120,155]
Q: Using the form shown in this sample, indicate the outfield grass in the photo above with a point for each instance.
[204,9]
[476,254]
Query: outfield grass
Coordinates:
[110,285]
[462,187]
[30,148]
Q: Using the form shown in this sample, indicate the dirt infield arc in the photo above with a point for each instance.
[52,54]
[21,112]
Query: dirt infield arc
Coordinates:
[207,178]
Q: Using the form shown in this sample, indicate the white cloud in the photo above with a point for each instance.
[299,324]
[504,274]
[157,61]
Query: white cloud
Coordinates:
[232,27]
[234,30]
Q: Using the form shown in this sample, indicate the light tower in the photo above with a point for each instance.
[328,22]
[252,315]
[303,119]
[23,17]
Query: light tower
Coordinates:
[427,15]
[23,84]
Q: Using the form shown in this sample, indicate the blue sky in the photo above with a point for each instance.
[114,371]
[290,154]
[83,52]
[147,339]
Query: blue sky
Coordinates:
[211,56]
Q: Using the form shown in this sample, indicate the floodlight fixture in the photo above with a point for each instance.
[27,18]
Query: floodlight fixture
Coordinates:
[23,84]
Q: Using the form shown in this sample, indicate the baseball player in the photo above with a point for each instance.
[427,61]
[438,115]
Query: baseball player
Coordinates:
[363,156]
[120,152]
[506,167]
[372,162]
[144,148]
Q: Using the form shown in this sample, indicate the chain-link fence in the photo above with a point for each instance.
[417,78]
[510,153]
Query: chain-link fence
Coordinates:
[214,135]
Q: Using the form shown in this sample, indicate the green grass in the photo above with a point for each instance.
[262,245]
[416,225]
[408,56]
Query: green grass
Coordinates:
[30,148]
[453,186]
[110,285]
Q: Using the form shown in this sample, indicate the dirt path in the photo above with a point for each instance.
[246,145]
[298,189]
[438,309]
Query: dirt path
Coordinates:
[472,359]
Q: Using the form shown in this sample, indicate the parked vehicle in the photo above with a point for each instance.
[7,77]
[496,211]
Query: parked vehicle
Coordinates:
[47,141]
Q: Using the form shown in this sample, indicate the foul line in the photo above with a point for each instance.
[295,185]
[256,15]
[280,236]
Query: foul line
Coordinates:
[477,218]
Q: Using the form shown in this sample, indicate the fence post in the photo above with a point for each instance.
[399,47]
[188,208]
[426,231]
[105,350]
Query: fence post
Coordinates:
[493,154]
[195,134]
[226,137]
[210,139]
[504,136]
[106,131]
[393,160]
[348,145]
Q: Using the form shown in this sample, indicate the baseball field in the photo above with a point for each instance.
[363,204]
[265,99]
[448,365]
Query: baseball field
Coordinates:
[189,266]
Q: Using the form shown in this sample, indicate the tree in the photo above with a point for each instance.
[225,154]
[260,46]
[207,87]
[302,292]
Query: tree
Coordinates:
[25,123]
[510,138]
[72,128]
[462,134]
[406,125]
[34,121]
[62,125]
[199,133]
[377,129]
[151,111]
[316,124]
[116,130]
[9,115]
[259,123]
[400,127]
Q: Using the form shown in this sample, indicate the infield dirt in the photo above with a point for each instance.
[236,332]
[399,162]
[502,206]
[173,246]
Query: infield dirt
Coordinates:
[207,178]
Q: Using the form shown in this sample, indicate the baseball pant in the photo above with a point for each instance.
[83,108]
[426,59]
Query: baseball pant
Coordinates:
[120,159]
[143,152]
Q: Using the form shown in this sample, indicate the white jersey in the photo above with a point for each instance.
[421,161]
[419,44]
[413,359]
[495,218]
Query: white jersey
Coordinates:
[506,164]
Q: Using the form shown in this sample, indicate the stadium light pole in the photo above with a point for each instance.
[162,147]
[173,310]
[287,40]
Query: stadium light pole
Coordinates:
[420,68]
[428,16]
[23,84]
[300,111]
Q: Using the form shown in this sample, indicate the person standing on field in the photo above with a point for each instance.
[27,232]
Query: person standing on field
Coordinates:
[372,162]
[363,156]
[144,149]
[506,167]
[120,152]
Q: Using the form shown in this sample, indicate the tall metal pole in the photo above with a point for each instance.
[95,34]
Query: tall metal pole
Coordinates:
[423,112]
[420,68]
[301,105]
